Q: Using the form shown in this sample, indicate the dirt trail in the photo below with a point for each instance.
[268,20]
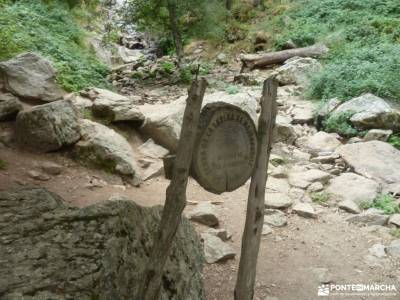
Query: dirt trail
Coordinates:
[293,259]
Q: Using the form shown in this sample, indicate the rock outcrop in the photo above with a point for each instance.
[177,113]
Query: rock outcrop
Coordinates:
[51,251]
[9,106]
[30,76]
[48,127]
[103,147]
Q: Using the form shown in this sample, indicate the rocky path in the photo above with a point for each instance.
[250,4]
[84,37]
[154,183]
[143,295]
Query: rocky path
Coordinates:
[99,145]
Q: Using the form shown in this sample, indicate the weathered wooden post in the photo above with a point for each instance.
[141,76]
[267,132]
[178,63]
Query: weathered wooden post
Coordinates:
[175,195]
[244,289]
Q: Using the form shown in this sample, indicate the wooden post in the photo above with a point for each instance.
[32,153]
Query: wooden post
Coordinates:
[244,289]
[175,196]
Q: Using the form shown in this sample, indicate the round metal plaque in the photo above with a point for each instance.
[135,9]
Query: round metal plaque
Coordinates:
[226,148]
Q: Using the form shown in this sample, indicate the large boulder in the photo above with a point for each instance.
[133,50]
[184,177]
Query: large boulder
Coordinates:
[297,70]
[9,106]
[370,111]
[115,107]
[163,122]
[321,142]
[48,127]
[374,159]
[353,187]
[103,147]
[52,251]
[30,76]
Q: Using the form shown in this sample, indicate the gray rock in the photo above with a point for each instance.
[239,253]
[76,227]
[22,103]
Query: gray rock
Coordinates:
[204,213]
[372,112]
[222,59]
[274,217]
[378,135]
[151,149]
[51,168]
[319,142]
[284,131]
[394,220]
[155,169]
[9,107]
[303,114]
[327,107]
[377,160]
[163,121]
[297,70]
[368,219]
[377,250]
[304,210]
[107,149]
[247,79]
[304,179]
[115,107]
[129,56]
[266,230]
[349,206]
[325,159]
[48,127]
[30,76]
[353,187]
[215,250]
[393,249]
[96,252]
[38,175]
[323,275]
[219,232]
[277,200]
[315,187]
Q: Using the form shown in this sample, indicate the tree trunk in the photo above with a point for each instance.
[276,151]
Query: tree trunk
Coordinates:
[175,196]
[254,61]
[228,5]
[244,289]
[173,20]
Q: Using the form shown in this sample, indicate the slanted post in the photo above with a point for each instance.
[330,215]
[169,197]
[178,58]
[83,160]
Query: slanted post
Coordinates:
[175,195]
[244,289]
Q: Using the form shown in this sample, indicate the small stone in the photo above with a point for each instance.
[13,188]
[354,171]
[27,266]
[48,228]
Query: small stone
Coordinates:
[349,206]
[368,219]
[204,213]
[151,149]
[222,59]
[277,200]
[322,275]
[266,230]
[377,250]
[315,187]
[279,172]
[304,179]
[51,168]
[274,217]
[394,220]
[154,170]
[304,210]
[38,176]
[219,232]
[215,250]
[378,135]
[393,249]
[325,159]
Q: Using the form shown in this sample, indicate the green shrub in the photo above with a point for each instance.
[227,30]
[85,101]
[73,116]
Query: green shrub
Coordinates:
[168,67]
[51,30]
[384,202]
[363,36]
[394,140]
[340,123]
[320,198]
[232,89]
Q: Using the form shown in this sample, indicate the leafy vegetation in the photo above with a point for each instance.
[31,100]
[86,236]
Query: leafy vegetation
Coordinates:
[320,198]
[232,89]
[384,202]
[394,140]
[364,39]
[50,28]
[395,232]
[340,123]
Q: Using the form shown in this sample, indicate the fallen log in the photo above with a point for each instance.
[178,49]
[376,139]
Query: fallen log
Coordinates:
[254,61]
